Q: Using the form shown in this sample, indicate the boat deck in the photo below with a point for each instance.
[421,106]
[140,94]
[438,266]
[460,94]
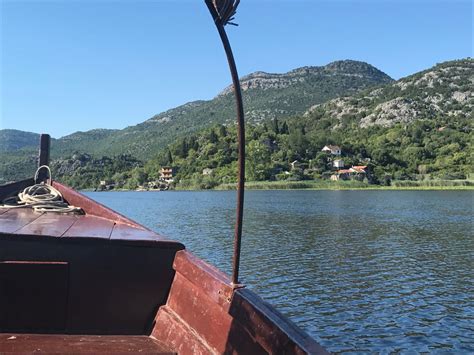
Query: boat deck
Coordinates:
[25,221]
[101,283]
[80,344]
[96,273]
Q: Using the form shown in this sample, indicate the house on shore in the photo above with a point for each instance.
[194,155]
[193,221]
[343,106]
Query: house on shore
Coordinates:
[338,163]
[157,185]
[166,174]
[332,149]
[207,171]
[357,172]
[105,185]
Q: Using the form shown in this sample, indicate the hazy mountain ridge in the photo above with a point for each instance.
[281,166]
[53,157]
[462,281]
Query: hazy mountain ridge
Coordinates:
[12,139]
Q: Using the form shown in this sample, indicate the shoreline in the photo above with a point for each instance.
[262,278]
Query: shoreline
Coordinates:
[352,185]
[467,185]
[384,188]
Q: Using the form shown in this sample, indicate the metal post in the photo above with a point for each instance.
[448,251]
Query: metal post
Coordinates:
[45,144]
[220,23]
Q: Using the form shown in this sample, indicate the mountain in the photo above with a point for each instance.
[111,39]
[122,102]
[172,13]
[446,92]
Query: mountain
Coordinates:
[345,103]
[94,141]
[283,95]
[265,95]
[442,91]
[12,139]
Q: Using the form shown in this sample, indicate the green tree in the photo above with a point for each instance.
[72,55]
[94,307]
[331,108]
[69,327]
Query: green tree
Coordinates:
[275,126]
[258,161]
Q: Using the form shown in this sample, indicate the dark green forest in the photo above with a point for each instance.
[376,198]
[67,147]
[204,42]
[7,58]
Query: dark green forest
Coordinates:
[425,149]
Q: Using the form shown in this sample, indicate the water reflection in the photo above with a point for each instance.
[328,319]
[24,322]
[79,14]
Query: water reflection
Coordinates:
[359,270]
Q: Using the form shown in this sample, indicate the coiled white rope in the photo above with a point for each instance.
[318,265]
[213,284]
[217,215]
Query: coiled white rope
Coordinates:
[41,197]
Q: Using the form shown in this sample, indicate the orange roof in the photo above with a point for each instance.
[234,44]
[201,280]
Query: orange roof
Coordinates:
[359,168]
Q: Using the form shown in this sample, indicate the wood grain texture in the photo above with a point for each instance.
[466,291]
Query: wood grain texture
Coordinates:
[128,232]
[48,224]
[216,284]
[17,218]
[201,311]
[91,227]
[80,344]
[90,206]
[99,221]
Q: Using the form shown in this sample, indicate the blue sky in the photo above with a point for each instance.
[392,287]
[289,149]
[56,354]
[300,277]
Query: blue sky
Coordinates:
[81,64]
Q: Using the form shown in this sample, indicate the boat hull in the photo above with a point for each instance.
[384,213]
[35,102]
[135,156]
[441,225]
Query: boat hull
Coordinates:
[71,275]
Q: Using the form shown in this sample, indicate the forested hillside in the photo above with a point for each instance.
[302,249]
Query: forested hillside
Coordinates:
[418,128]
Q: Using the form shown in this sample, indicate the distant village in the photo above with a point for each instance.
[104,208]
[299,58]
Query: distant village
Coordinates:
[355,172]
[162,184]
[338,171]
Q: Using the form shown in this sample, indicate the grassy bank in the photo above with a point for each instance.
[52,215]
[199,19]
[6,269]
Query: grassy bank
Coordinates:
[353,185]
[331,185]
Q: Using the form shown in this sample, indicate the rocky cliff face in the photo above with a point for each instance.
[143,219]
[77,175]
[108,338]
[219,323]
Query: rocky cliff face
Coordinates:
[444,90]
[345,69]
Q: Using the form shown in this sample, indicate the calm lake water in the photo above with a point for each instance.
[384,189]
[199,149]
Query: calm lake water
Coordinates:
[361,271]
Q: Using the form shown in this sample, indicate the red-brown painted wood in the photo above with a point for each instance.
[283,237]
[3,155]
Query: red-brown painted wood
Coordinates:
[48,224]
[115,286]
[26,221]
[121,275]
[128,232]
[17,218]
[211,280]
[91,227]
[178,335]
[273,331]
[98,222]
[80,344]
[243,323]
[199,312]
[90,206]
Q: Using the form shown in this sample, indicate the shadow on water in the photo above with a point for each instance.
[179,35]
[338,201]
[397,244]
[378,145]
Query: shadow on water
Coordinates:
[358,270]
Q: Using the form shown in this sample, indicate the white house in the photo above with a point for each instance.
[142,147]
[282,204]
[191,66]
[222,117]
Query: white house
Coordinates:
[207,171]
[294,164]
[166,174]
[333,149]
[338,163]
